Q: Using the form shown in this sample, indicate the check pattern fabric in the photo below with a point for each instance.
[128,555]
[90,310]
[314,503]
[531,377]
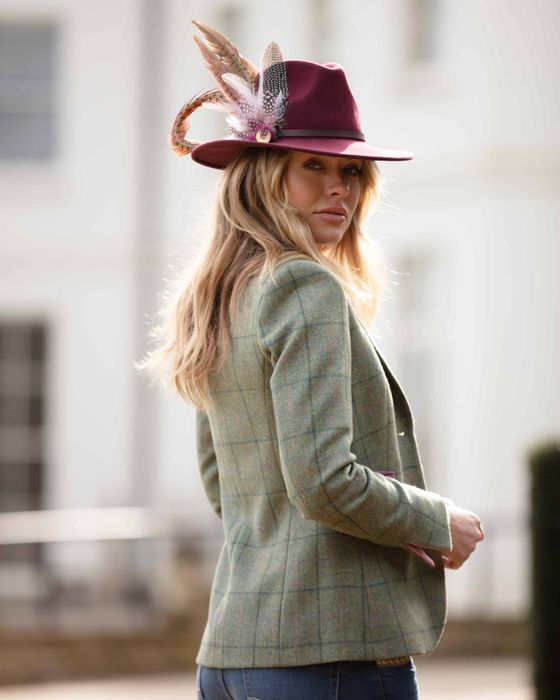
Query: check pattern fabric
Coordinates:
[305,418]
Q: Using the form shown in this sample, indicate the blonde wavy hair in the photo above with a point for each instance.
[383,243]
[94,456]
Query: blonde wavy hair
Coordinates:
[254,229]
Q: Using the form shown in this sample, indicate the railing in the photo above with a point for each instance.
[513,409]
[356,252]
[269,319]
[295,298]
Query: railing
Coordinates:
[105,568]
[84,524]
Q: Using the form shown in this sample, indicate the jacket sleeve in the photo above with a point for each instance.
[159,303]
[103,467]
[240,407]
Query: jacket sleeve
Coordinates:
[207,463]
[302,325]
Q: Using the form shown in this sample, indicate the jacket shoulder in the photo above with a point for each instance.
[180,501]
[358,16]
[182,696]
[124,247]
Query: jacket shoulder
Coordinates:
[298,295]
[298,271]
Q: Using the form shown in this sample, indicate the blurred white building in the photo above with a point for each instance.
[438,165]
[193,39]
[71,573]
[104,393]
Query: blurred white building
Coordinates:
[96,210]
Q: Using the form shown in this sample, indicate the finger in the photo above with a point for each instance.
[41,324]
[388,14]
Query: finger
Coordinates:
[419,552]
[451,563]
[441,550]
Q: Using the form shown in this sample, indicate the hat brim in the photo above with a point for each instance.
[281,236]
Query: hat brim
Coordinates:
[217,154]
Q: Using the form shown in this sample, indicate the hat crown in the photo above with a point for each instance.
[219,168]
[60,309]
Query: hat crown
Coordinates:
[319,97]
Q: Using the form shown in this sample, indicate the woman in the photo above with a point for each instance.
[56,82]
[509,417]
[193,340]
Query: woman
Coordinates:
[332,570]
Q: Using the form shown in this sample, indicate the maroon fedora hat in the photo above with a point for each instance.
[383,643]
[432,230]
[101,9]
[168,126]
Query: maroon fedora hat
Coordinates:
[296,105]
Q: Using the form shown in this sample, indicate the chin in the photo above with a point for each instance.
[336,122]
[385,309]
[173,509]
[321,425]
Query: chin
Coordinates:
[326,240]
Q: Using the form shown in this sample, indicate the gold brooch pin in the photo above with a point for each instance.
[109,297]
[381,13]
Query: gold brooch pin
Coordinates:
[263,135]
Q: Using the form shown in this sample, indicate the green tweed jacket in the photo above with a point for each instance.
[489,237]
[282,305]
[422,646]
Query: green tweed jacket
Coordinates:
[297,455]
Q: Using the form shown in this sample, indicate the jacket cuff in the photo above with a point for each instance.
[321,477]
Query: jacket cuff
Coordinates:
[438,535]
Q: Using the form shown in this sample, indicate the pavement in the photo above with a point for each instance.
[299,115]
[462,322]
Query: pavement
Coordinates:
[485,678]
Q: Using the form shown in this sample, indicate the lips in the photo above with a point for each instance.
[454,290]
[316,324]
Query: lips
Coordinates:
[336,214]
[333,210]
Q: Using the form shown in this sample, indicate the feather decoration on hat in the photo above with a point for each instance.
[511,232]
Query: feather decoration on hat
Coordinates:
[221,56]
[254,100]
[228,54]
[177,140]
[258,115]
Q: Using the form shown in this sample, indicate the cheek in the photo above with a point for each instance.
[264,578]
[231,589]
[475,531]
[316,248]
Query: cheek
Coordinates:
[291,190]
[299,192]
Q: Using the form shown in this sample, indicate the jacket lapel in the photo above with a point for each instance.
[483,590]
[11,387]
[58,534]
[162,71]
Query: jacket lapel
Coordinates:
[399,398]
[398,394]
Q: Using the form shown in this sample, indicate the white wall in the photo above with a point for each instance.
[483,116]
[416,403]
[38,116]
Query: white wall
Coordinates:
[68,236]
[479,199]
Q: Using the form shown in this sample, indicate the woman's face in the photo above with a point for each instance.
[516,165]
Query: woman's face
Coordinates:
[325,190]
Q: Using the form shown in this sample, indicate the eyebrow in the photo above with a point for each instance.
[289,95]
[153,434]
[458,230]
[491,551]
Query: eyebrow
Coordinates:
[349,161]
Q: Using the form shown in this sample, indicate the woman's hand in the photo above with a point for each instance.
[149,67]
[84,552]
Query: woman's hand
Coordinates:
[466,532]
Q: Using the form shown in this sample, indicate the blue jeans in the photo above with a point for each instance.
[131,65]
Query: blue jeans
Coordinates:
[337,680]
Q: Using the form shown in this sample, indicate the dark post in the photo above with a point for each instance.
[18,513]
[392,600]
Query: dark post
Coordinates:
[545,521]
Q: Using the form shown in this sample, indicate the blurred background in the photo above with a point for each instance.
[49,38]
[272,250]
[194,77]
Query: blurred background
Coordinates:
[107,543]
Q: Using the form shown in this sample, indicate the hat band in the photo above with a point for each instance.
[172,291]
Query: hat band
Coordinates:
[323,133]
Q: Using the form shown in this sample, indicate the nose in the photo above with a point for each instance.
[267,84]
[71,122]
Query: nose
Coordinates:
[337,186]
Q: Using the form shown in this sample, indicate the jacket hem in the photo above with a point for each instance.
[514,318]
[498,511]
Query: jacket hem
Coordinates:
[303,655]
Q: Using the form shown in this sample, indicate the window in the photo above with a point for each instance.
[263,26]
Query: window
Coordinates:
[22,418]
[27,91]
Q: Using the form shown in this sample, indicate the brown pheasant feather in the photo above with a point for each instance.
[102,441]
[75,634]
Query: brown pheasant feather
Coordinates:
[177,140]
[216,68]
[228,54]
[254,99]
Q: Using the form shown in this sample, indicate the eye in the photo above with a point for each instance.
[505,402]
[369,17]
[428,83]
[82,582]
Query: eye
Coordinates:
[353,170]
[312,164]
